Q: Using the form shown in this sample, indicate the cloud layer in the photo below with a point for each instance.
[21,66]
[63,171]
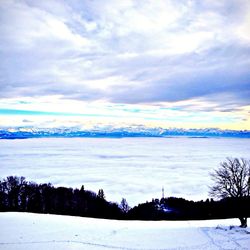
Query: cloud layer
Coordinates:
[150,52]
[133,168]
[125,52]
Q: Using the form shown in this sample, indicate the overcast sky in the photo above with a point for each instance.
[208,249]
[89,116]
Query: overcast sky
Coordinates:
[155,63]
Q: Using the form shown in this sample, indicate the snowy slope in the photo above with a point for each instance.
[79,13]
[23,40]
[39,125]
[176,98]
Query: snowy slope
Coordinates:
[37,231]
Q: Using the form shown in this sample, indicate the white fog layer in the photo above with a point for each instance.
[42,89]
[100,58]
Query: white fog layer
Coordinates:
[133,168]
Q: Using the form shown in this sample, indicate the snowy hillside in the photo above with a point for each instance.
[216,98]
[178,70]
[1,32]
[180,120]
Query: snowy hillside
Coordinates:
[21,231]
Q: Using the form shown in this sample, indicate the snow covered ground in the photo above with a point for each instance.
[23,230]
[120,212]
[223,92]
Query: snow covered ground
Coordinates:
[21,231]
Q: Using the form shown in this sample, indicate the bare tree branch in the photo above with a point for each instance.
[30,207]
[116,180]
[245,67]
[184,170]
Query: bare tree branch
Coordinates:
[232,179]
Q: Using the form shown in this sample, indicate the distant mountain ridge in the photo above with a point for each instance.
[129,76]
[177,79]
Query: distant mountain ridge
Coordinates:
[110,132]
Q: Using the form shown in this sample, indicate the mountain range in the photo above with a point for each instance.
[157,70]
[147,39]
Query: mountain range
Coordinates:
[110,132]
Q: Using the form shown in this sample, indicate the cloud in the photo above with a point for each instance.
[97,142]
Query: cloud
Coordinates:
[126,52]
[180,164]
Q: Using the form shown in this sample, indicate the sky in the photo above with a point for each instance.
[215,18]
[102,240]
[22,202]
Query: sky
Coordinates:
[89,63]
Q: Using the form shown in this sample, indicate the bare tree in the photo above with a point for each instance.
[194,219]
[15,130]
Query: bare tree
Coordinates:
[232,179]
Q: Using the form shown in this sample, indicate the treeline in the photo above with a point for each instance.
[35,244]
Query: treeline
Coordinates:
[180,209]
[16,194]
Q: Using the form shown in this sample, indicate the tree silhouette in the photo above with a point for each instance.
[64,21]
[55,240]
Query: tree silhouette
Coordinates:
[124,205]
[232,179]
[101,194]
[16,194]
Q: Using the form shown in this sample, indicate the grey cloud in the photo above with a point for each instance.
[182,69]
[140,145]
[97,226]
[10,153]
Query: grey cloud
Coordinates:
[37,62]
[26,121]
[216,73]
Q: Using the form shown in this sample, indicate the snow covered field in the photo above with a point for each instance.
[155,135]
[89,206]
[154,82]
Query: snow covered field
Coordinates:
[133,168]
[21,231]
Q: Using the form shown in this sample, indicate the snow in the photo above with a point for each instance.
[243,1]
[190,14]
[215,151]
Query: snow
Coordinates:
[131,168]
[21,231]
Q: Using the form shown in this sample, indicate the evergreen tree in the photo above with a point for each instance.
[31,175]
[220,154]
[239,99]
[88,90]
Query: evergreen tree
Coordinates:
[124,205]
[101,194]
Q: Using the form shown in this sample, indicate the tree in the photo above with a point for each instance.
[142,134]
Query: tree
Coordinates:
[101,194]
[124,206]
[232,180]
[14,187]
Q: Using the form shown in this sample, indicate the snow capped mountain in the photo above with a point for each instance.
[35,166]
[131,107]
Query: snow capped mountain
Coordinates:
[133,131]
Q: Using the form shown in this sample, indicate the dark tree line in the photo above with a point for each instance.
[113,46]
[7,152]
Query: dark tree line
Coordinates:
[16,194]
[181,209]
